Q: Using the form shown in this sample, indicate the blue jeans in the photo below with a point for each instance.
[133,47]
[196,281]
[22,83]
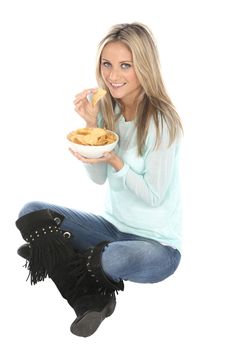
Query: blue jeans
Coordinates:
[127,256]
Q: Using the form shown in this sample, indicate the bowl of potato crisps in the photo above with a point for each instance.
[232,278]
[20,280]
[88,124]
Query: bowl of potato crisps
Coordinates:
[92,142]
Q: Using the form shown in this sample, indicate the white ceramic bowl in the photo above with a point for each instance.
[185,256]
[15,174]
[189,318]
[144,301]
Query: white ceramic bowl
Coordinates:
[93,151]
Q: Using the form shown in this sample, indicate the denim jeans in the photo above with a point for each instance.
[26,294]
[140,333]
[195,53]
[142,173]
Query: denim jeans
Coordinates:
[127,256]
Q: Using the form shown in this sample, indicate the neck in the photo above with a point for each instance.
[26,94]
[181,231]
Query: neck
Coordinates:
[129,112]
[129,107]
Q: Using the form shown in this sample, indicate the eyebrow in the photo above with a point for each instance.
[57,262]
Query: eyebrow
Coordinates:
[125,61]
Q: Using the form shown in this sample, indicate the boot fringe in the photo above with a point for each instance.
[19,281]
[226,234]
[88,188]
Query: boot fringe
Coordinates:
[87,267]
[50,246]
[46,255]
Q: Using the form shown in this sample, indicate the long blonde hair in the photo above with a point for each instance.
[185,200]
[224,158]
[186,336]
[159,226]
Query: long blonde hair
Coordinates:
[154,101]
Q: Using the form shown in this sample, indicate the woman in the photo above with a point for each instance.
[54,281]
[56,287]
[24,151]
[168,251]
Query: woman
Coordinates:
[138,237]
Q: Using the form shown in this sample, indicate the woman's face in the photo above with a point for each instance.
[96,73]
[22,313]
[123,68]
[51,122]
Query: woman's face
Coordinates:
[118,72]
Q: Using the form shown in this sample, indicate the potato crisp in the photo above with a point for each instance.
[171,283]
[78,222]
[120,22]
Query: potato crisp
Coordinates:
[92,136]
[98,95]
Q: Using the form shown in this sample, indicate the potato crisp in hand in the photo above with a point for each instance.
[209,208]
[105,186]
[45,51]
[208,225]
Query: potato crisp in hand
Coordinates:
[98,95]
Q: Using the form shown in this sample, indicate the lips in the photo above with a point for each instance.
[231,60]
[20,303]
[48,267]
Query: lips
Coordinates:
[117,85]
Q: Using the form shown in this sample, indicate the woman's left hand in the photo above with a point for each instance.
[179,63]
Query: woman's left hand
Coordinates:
[108,157]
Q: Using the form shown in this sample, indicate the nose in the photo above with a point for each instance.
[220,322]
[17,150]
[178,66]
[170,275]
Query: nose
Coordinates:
[114,74]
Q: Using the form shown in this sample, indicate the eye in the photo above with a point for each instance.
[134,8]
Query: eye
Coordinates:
[106,64]
[125,65]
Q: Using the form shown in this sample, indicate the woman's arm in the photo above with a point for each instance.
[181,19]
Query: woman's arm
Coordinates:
[151,186]
[97,167]
[97,172]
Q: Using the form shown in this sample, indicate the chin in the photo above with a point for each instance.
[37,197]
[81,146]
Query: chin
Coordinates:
[116,94]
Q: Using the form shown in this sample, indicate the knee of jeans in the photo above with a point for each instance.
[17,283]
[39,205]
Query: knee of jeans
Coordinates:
[31,207]
[176,260]
[112,264]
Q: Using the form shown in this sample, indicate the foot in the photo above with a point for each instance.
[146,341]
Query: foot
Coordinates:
[91,311]
[25,251]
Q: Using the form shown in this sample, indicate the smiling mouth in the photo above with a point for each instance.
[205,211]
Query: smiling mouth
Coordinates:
[116,86]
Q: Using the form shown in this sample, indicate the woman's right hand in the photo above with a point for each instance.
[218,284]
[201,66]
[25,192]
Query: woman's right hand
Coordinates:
[85,108]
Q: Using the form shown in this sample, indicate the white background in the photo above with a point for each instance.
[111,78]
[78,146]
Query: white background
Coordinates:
[47,56]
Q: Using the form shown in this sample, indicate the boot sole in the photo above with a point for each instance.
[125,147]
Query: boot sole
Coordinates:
[90,321]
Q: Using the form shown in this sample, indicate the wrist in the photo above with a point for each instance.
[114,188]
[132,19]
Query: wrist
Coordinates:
[91,125]
[117,164]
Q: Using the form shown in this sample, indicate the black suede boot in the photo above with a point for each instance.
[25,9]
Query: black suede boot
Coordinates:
[49,245]
[99,302]
[91,301]
[78,275]
[25,251]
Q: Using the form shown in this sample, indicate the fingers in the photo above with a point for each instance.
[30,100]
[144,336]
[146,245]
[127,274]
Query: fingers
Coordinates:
[75,154]
[83,95]
[84,107]
[88,160]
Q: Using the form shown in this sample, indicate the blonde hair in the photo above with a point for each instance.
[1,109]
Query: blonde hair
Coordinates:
[154,101]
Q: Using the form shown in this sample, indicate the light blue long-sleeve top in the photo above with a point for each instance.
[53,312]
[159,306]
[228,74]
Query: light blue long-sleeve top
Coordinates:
[143,198]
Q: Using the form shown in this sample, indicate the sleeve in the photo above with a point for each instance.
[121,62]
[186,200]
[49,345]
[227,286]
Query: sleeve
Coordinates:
[152,185]
[97,172]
